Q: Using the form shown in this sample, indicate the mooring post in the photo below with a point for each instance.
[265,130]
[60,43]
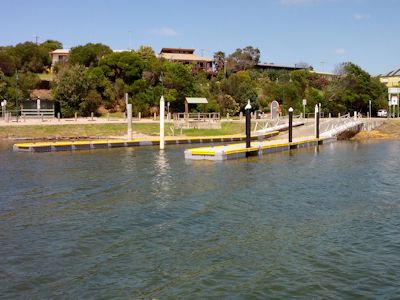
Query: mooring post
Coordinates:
[129,111]
[290,124]
[162,112]
[317,121]
[248,125]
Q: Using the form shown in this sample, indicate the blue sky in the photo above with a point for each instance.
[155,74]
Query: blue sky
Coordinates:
[322,33]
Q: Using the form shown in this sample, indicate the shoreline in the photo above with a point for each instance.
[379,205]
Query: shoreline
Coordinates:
[389,130]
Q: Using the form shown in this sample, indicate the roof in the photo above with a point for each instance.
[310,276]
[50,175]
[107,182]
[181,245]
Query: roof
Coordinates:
[60,51]
[184,57]
[277,66]
[194,100]
[177,50]
[395,72]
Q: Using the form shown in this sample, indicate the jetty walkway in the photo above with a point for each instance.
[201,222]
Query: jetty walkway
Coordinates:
[330,130]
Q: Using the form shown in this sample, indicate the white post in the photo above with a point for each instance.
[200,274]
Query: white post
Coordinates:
[38,106]
[162,112]
[129,111]
[355,116]
[126,99]
[316,112]
[370,111]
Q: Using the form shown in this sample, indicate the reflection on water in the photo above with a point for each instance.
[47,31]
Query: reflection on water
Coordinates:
[144,223]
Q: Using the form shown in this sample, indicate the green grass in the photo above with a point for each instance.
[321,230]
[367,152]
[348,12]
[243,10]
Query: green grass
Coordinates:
[46,76]
[118,115]
[107,130]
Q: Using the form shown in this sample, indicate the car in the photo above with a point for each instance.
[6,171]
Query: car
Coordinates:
[382,113]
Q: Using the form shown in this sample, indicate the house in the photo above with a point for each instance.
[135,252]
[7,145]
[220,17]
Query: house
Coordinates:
[277,67]
[391,79]
[187,57]
[59,55]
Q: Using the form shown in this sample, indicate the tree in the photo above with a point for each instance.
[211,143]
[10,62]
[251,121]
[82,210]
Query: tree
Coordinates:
[72,89]
[354,88]
[244,59]
[179,83]
[127,66]
[146,52]
[30,57]
[51,45]
[219,60]
[88,55]
[228,105]
[8,62]
[241,88]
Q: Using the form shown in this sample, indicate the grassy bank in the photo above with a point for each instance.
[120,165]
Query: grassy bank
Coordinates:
[71,131]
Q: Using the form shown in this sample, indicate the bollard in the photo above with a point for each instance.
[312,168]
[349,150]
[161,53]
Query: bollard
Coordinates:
[329,115]
[24,118]
[58,116]
[338,115]
[155,117]
[169,117]
[248,125]
[355,116]
[241,116]
[140,116]
[91,116]
[108,116]
[76,116]
[227,116]
[290,124]
[42,117]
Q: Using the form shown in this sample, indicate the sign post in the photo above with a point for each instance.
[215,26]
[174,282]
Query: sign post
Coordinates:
[394,93]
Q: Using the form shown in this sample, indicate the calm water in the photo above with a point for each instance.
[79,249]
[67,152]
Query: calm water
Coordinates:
[131,223]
